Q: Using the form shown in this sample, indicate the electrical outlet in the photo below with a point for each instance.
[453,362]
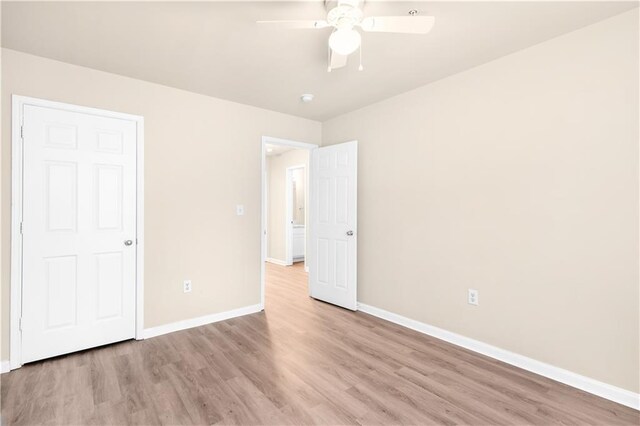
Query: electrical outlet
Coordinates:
[187,286]
[240,210]
[473,297]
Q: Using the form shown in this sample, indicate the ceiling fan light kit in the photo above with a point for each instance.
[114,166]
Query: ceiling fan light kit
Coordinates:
[344,41]
[344,16]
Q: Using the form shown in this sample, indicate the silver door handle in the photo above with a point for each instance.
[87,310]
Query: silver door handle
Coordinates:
[349,233]
[128,242]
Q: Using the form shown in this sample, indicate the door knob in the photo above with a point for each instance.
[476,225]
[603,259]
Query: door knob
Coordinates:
[349,233]
[128,242]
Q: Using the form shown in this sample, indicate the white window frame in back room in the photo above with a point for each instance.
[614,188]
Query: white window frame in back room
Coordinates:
[267,140]
[17,120]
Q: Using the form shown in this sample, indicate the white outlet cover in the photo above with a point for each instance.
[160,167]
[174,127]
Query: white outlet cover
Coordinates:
[240,210]
[187,286]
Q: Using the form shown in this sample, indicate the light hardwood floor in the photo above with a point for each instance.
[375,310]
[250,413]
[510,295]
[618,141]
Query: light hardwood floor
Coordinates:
[300,362]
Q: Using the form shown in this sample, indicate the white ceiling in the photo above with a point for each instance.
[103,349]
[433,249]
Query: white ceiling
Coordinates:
[215,48]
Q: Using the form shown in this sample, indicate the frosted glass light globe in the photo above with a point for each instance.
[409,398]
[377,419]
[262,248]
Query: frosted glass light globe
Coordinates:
[344,42]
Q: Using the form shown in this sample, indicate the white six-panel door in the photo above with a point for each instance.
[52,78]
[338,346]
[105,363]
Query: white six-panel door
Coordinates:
[333,217]
[79,231]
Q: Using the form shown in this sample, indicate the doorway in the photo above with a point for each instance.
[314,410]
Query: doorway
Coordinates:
[330,218]
[285,165]
[77,229]
[296,209]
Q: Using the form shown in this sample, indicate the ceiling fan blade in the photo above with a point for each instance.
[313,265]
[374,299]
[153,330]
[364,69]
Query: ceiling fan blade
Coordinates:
[337,60]
[298,24]
[398,24]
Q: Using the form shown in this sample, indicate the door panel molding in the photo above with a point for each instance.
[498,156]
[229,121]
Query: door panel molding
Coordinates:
[109,143]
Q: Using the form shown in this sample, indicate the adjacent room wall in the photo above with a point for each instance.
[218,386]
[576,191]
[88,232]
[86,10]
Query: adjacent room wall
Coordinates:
[202,157]
[518,178]
[277,200]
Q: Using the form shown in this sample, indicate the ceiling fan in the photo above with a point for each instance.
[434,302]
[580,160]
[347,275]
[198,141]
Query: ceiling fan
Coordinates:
[344,16]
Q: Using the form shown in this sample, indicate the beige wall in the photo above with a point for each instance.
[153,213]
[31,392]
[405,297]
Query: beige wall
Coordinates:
[202,157]
[518,178]
[276,193]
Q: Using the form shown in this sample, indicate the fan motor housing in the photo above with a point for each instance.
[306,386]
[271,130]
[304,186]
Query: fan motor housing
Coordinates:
[332,4]
[344,14]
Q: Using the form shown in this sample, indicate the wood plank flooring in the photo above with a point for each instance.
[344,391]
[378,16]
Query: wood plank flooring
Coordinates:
[299,362]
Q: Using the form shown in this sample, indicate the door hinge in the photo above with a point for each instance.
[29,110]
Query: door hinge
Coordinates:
[22,132]
[21,227]
[20,324]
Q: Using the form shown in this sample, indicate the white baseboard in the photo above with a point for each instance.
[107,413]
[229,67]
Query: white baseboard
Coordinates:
[604,390]
[197,322]
[5,366]
[276,261]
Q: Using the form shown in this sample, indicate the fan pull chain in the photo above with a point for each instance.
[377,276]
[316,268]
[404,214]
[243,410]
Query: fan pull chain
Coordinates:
[328,58]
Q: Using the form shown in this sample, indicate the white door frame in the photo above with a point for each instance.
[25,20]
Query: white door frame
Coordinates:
[289,215]
[263,232]
[17,120]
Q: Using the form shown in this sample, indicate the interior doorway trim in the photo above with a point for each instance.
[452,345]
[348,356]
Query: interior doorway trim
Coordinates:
[289,211]
[17,120]
[263,232]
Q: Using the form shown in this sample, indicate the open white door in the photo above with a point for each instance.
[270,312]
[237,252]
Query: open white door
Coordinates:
[333,219]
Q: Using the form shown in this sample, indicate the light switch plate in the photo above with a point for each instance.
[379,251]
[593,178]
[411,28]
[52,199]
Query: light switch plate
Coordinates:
[473,297]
